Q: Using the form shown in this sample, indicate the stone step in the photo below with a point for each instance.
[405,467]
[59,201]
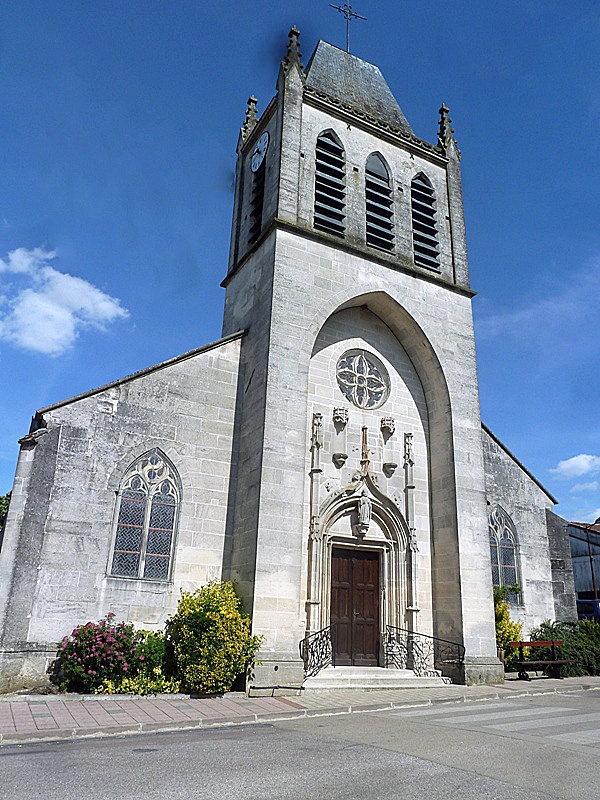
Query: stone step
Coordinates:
[369,678]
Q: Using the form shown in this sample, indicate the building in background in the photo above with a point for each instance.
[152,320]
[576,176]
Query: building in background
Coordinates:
[584,540]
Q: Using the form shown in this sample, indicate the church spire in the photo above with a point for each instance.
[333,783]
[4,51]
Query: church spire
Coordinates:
[250,120]
[293,54]
[446,131]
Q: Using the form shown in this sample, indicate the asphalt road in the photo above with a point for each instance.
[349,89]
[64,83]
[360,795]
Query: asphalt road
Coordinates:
[519,749]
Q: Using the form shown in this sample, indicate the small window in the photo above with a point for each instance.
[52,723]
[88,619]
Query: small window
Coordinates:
[425,235]
[330,185]
[503,550]
[148,504]
[378,201]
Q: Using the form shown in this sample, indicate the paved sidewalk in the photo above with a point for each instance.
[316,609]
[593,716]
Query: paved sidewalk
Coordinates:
[35,718]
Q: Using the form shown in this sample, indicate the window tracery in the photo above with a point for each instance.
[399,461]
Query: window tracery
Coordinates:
[503,551]
[148,504]
[362,378]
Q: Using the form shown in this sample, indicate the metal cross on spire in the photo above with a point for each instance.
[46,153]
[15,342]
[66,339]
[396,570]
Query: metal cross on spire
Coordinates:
[347,11]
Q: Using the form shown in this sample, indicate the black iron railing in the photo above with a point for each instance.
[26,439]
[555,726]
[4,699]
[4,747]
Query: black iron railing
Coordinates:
[424,655]
[317,651]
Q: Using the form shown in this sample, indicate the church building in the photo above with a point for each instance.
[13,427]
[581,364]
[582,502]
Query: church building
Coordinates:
[327,453]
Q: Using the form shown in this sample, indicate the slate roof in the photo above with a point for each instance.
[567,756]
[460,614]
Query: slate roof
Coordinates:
[350,79]
[584,526]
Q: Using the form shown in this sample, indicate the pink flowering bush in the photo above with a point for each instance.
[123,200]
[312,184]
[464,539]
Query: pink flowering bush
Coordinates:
[98,651]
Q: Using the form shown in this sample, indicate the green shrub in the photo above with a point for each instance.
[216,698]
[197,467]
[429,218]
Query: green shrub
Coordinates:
[210,638]
[207,645]
[4,502]
[506,629]
[95,652]
[152,647]
[146,682]
[150,677]
[581,644]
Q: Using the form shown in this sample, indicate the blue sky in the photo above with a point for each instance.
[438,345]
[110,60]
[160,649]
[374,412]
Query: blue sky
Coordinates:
[120,122]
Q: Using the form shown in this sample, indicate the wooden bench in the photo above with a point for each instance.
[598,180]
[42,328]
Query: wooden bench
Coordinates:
[551,666]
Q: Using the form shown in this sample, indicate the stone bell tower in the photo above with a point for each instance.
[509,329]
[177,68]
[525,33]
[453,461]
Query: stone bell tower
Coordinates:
[358,493]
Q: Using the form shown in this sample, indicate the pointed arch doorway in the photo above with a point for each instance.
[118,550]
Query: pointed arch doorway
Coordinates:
[355,606]
[362,572]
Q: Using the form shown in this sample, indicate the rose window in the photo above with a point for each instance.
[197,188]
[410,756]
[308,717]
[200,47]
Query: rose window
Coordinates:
[362,378]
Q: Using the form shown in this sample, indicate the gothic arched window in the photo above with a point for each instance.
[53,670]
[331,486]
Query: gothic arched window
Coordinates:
[330,185]
[425,235]
[378,201]
[503,549]
[147,511]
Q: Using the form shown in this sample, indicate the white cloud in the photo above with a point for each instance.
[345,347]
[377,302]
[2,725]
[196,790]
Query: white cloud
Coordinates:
[590,516]
[26,261]
[592,486]
[575,466]
[47,315]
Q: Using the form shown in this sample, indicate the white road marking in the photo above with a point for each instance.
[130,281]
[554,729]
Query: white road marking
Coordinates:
[448,709]
[578,737]
[476,716]
[572,719]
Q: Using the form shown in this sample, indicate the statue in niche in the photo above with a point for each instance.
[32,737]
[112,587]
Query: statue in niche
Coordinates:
[317,430]
[365,508]
[409,459]
[412,541]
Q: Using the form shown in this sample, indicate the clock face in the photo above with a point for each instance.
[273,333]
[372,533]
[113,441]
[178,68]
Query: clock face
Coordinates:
[259,152]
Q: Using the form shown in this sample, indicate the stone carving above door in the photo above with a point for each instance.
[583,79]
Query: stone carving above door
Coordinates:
[340,417]
[388,426]
[339,459]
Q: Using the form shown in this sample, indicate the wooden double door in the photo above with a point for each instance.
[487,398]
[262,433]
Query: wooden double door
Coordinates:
[355,606]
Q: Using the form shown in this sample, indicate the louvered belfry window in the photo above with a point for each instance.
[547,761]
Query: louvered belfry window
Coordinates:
[330,185]
[425,235]
[257,201]
[378,199]
[148,503]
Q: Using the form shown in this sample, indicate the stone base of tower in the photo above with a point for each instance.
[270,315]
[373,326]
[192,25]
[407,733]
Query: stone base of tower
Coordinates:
[481,669]
[276,674]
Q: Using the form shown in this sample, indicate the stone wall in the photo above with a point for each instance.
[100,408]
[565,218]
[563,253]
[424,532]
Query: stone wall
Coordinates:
[563,583]
[509,485]
[56,556]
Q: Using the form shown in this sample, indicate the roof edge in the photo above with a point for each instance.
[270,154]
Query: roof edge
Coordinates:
[585,526]
[519,463]
[147,371]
